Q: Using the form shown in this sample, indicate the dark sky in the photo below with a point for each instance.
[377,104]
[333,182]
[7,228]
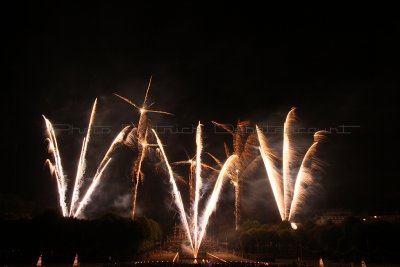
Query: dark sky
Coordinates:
[337,65]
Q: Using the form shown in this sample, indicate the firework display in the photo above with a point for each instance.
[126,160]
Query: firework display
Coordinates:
[249,148]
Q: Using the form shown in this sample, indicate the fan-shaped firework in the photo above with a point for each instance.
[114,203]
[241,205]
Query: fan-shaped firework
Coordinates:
[195,230]
[289,192]
[56,168]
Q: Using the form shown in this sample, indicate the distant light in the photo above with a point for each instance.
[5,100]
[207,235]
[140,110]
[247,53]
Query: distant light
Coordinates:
[375,217]
[364,219]
[293,225]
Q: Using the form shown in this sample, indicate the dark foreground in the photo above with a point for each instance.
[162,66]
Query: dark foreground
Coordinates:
[228,264]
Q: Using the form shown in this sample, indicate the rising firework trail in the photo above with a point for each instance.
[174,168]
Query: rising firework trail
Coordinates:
[141,132]
[289,195]
[92,187]
[287,159]
[176,194]
[117,141]
[198,184]
[82,162]
[272,172]
[55,166]
[212,201]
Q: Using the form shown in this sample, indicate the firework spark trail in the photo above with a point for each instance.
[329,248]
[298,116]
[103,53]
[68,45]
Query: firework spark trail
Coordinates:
[139,173]
[119,139]
[272,172]
[102,166]
[227,128]
[53,171]
[287,158]
[304,176]
[215,159]
[293,194]
[141,138]
[193,164]
[56,168]
[78,180]
[237,149]
[198,184]
[237,186]
[142,141]
[241,142]
[192,174]
[212,202]
[61,189]
[92,187]
[177,195]
[142,109]
[82,162]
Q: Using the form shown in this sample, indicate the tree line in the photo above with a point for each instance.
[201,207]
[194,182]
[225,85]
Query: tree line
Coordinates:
[109,238]
[352,240]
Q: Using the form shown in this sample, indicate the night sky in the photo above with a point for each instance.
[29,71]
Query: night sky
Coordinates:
[337,65]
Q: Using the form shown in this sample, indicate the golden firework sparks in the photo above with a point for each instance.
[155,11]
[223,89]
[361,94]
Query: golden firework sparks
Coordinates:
[288,194]
[141,131]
